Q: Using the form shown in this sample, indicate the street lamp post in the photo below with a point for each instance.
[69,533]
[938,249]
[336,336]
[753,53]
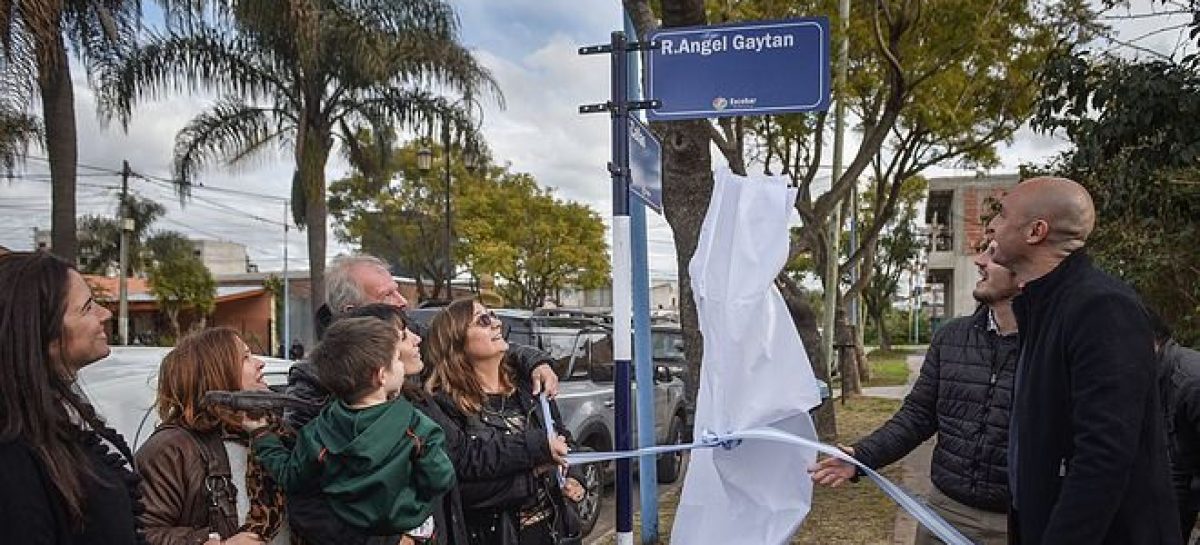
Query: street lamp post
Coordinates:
[425,164]
[449,250]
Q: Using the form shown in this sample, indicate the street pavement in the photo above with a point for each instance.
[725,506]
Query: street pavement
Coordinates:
[606,529]
[916,465]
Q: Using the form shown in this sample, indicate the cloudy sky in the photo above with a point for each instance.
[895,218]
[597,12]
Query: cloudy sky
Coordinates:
[530,46]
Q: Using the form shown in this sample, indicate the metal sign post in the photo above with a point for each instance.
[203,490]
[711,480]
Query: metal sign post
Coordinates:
[618,108]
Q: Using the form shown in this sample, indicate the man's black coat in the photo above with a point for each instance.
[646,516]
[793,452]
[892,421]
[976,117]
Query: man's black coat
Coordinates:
[1091,455]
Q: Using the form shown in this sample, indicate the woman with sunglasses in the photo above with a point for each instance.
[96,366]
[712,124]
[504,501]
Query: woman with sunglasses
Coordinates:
[512,497]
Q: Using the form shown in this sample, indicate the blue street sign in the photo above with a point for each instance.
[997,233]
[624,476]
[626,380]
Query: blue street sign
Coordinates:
[645,165]
[748,68]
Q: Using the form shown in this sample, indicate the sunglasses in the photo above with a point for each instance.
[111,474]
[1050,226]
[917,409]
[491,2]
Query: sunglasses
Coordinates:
[487,319]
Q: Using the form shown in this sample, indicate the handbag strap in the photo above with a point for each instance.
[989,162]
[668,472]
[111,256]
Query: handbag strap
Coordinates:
[219,488]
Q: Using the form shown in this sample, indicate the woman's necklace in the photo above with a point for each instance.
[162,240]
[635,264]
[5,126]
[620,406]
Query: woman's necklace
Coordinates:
[503,402]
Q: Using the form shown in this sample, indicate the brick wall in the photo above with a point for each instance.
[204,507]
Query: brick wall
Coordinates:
[974,206]
[250,317]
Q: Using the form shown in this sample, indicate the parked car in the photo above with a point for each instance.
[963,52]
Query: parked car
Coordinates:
[123,385]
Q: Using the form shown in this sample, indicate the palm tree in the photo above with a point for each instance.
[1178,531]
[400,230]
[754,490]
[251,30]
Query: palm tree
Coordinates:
[33,36]
[302,74]
[100,247]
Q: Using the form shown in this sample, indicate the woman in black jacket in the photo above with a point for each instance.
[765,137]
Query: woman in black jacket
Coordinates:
[512,496]
[65,477]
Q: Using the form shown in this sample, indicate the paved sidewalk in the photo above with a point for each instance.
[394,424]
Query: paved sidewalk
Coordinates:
[916,465]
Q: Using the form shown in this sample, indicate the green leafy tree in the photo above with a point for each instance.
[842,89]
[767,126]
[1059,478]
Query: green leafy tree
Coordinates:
[394,211]
[1136,146]
[533,243]
[180,282]
[504,225]
[303,74]
[164,245]
[894,256]
[36,35]
[100,248]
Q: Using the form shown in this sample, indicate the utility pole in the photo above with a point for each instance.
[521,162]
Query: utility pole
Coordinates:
[287,315]
[835,225]
[122,281]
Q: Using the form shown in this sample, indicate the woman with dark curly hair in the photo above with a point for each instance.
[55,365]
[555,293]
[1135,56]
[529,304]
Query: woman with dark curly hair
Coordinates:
[200,478]
[511,496]
[65,477]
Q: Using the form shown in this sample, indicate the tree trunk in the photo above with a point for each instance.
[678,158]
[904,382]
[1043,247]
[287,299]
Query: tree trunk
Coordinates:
[312,155]
[687,188]
[844,346]
[805,321]
[885,342]
[173,316]
[860,356]
[58,114]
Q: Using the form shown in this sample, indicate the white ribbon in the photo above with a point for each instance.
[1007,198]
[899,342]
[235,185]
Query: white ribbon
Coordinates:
[931,520]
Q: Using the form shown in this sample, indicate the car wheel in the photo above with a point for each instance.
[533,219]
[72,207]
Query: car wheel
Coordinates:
[589,507]
[670,465]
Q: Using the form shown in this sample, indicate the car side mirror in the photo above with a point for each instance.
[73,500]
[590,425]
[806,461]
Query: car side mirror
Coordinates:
[662,373]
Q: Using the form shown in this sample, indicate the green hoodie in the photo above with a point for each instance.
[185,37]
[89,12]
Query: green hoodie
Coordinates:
[381,467]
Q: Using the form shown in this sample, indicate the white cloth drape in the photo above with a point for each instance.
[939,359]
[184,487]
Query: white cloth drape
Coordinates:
[755,373]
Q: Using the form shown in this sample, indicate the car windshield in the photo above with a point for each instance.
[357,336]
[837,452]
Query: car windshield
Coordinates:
[668,345]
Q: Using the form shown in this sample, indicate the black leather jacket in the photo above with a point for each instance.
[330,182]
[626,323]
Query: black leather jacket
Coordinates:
[495,483]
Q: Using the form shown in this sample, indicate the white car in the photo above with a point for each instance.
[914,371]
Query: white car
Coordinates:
[122,388]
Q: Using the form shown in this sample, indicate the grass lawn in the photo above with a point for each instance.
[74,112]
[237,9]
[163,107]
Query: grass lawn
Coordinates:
[888,368]
[853,514]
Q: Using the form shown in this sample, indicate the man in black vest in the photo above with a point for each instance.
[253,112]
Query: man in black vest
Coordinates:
[1087,453]
[963,394]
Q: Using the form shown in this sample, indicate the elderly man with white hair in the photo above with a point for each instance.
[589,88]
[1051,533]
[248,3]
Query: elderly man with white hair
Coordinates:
[357,280]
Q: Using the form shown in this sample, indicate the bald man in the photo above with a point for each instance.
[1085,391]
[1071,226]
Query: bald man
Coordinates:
[1087,457]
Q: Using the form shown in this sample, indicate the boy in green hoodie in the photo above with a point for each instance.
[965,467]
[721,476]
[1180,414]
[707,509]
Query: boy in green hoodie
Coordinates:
[380,461]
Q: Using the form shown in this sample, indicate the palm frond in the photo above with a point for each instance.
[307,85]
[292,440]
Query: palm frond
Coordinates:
[416,60]
[229,129]
[421,111]
[405,43]
[399,17]
[17,131]
[208,59]
[101,32]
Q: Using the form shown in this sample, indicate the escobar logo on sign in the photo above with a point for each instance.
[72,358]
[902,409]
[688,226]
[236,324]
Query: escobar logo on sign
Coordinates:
[720,103]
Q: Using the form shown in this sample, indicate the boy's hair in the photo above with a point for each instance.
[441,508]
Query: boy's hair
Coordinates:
[382,311]
[352,352]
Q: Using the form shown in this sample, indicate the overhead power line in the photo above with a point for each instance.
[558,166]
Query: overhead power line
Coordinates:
[101,171]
